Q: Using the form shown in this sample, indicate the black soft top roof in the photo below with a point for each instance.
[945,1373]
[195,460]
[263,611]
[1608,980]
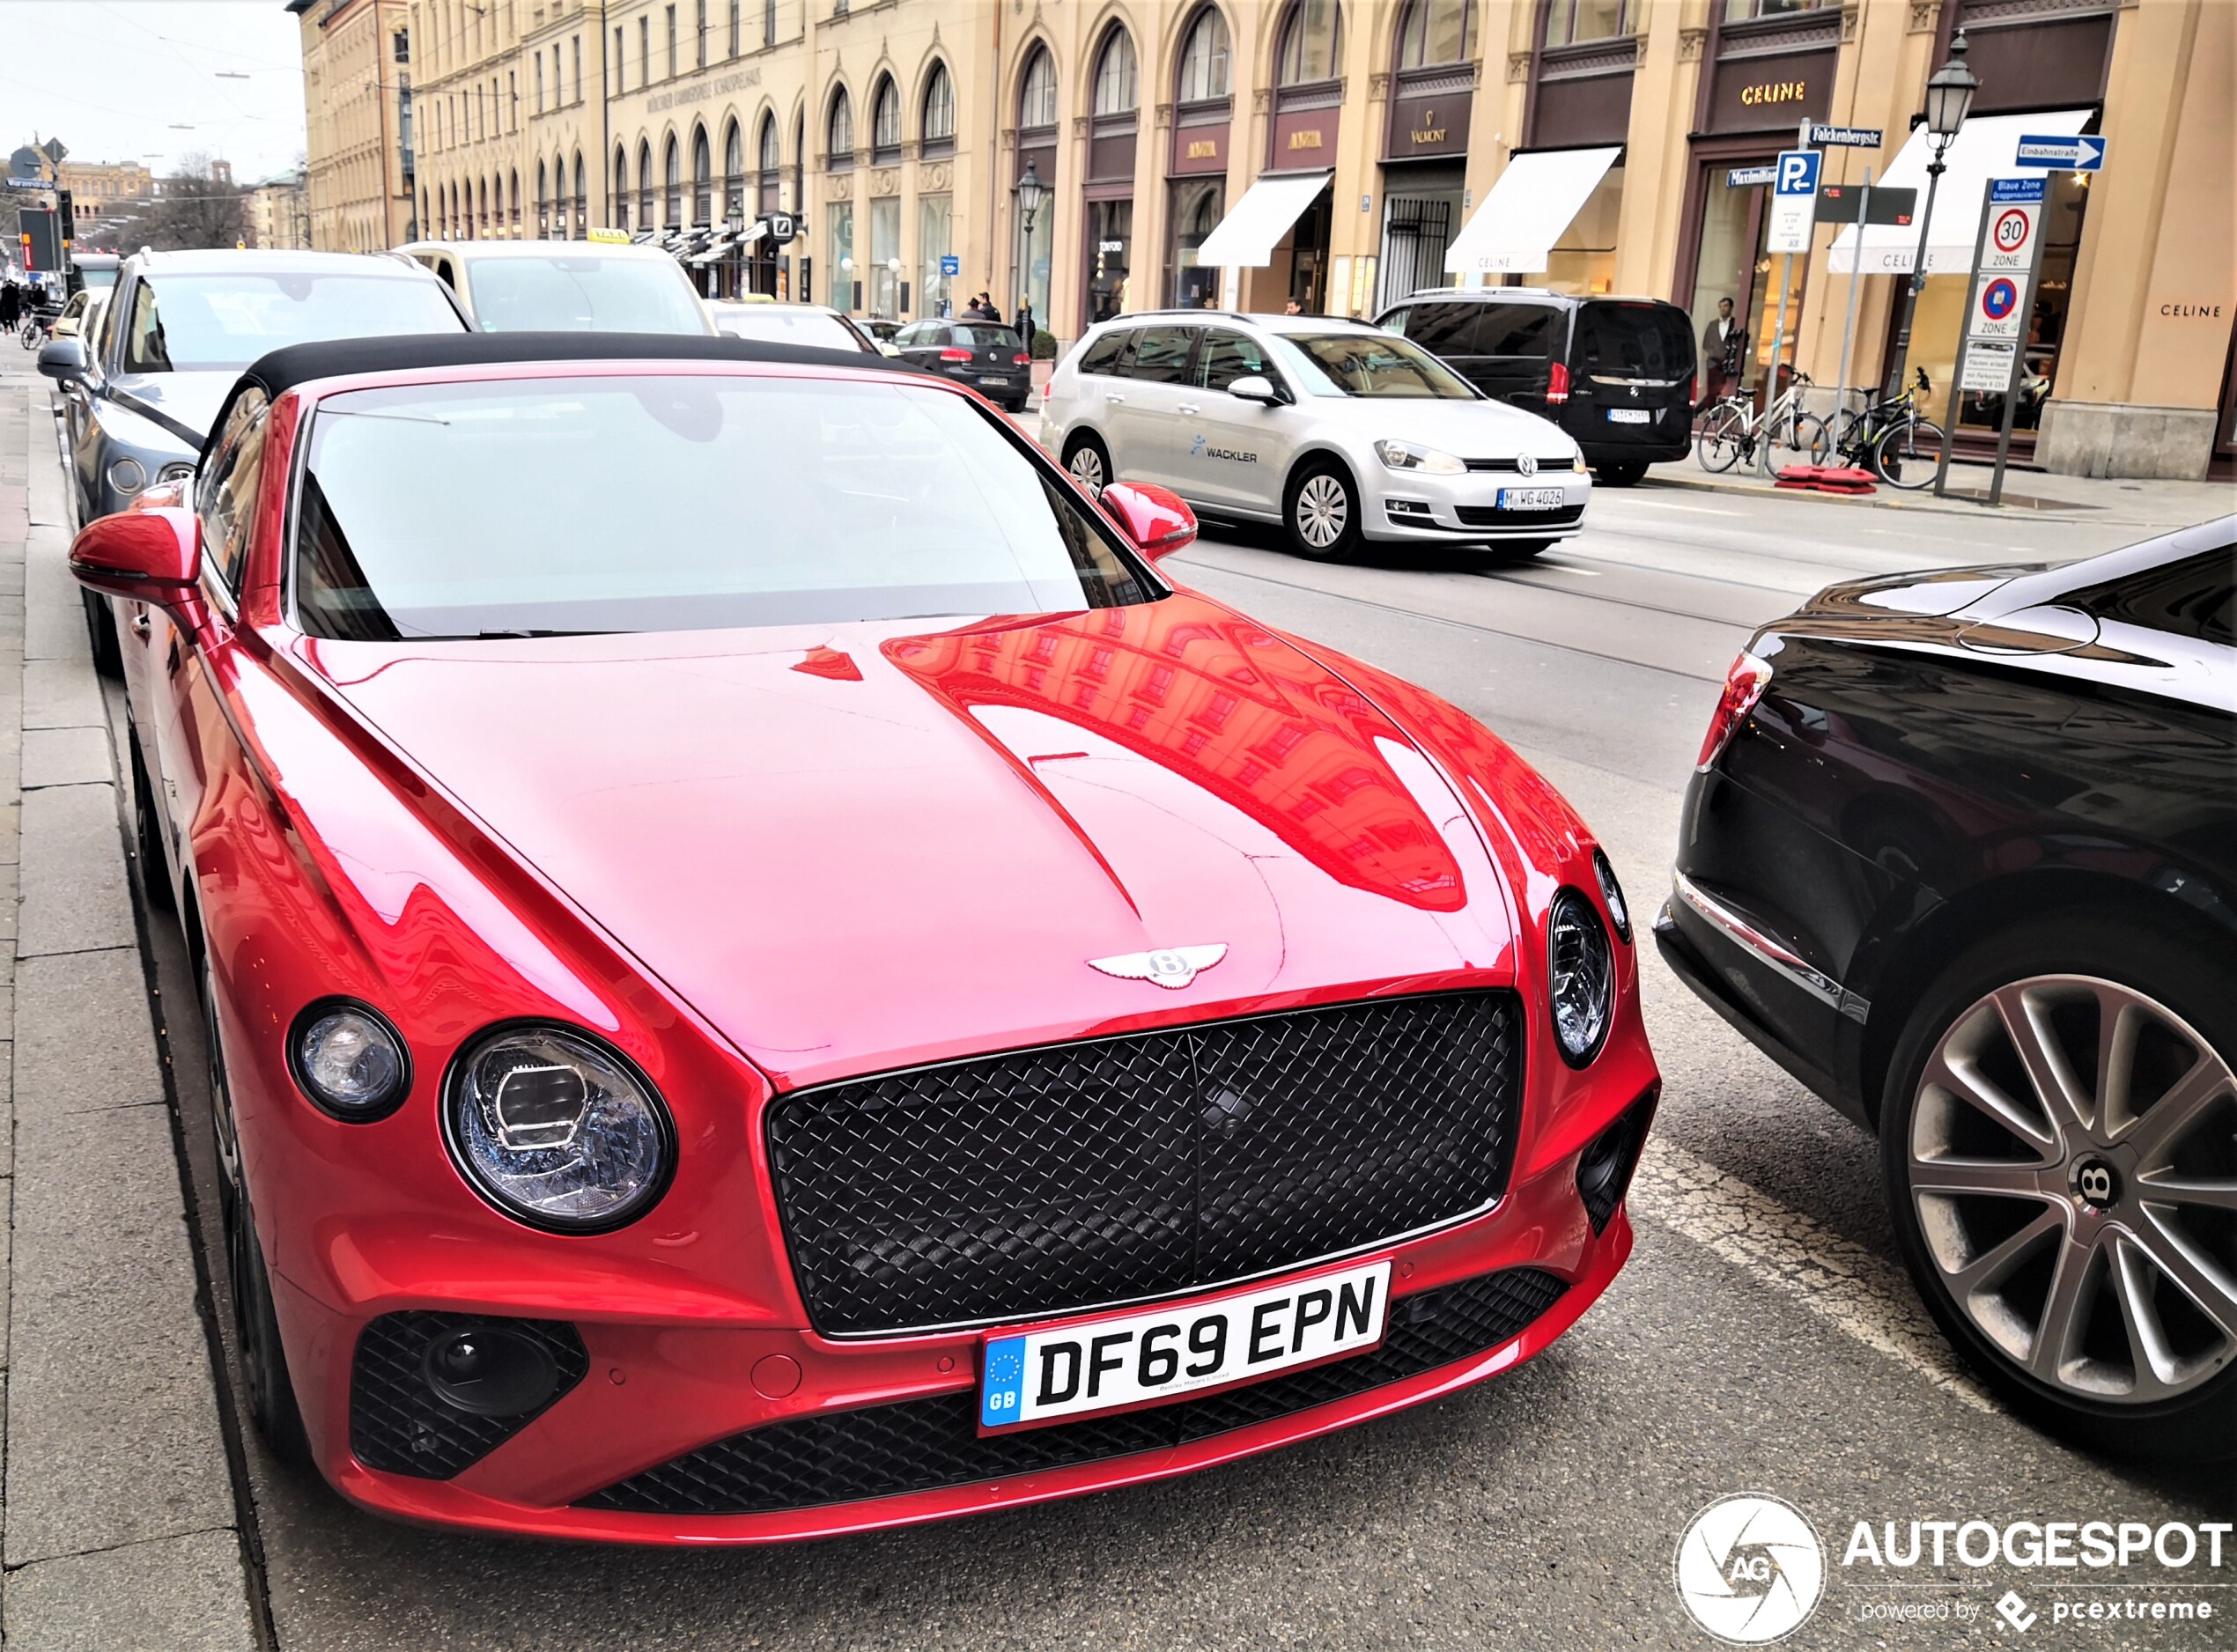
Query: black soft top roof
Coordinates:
[298,363]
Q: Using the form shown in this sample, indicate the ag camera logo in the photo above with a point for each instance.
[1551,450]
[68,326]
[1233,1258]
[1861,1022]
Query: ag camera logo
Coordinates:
[1750,1570]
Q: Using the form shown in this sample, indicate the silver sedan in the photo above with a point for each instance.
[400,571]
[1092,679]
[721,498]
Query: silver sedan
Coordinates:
[1341,433]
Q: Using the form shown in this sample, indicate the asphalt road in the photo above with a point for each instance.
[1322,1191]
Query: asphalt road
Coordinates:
[1762,1338]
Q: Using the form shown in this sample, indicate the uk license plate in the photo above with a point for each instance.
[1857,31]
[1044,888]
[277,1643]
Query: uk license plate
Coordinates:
[1630,415]
[1134,1359]
[1530,499]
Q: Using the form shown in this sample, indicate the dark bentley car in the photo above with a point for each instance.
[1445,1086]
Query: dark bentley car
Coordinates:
[1961,855]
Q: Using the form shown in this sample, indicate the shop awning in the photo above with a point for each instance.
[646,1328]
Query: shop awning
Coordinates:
[713,250]
[1245,237]
[1528,210]
[1983,149]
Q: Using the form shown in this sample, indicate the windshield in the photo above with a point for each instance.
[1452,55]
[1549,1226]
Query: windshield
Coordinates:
[98,278]
[987,337]
[814,327]
[1369,364]
[583,293]
[513,508]
[208,323]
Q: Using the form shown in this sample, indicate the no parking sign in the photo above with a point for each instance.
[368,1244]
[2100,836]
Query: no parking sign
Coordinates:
[1996,310]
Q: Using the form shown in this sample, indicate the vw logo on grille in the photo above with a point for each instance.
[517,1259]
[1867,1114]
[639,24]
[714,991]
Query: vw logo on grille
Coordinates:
[1526,464]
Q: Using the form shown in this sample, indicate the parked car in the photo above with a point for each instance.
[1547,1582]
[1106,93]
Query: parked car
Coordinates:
[984,355]
[1618,374]
[96,272]
[881,328]
[138,391]
[1340,433]
[653,1152]
[816,326]
[565,286]
[1961,855]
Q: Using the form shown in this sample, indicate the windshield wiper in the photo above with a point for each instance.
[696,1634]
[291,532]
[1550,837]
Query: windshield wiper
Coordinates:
[530,631]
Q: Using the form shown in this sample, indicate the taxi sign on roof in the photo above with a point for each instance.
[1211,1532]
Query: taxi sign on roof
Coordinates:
[620,237]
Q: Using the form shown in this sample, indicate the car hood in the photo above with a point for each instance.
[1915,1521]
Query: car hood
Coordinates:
[865,846]
[184,404]
[1469,429]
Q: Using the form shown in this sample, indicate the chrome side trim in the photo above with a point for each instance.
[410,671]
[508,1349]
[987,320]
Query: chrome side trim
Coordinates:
[1819,985]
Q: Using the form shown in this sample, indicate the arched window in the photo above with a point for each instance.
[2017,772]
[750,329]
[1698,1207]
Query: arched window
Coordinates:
[543,205]
[1435,31]
[582,198]
[838,133]
[513,196]
[645,220]
[1572,22]
[702,177]
[620,188]
[1204,58]
[1312,43]
[939,128]
[1117,77]
[772,163]
[672,180]
[733,172]
[1036,91]
[481,209]
[885,123]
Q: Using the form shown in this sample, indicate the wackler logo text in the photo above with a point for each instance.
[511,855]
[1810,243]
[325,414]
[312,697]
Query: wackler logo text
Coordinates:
[2030,1543]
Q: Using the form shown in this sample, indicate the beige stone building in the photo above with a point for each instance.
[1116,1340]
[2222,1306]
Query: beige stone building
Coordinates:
[101,187]
[357,81]
[1247,151]
[276,212]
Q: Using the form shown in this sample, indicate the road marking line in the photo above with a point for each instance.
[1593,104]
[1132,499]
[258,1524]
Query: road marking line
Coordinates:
[1864,1294]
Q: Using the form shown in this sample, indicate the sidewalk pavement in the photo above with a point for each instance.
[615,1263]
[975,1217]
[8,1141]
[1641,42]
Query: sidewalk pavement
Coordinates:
[119,1521]
[2149,507]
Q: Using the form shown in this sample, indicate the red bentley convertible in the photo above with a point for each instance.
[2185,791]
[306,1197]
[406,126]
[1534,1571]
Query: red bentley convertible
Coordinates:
[768,974]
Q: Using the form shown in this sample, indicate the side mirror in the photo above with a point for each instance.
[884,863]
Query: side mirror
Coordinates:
[1154,518]
[62,359]
[1253,386]
[150,555]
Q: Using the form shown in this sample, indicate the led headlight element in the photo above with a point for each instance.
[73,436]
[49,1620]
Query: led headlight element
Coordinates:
[1613,893]
[1580,977]
[1398,455]
[557,1130]
[349,1060]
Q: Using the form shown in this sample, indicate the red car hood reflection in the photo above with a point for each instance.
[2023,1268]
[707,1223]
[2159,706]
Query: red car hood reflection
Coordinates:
[863,846]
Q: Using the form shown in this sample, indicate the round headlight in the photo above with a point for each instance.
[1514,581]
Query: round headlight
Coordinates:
[349,1060]
[126,476]
[557,1130]
[1580,976]
[1612,892]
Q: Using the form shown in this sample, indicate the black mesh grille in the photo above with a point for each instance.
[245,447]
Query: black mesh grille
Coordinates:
[1492,516]
[1035,1184]
[923,1443]
[397,1423]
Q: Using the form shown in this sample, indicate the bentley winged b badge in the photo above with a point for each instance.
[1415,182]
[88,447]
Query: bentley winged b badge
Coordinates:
[1170,967]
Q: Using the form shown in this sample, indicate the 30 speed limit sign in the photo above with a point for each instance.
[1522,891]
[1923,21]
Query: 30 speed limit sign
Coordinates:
[2012,226]
[2010,242]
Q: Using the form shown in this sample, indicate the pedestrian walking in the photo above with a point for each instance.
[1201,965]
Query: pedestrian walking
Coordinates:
[11,305]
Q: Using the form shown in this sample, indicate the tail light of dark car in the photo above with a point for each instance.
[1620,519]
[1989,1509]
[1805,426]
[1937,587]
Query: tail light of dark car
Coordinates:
[1022,359]
[1557,385]
[1744,686]
[954,354]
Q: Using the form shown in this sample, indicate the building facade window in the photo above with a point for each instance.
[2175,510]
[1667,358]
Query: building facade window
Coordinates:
[773,164]
[1037,93]
[645,220]
[539,83]
[769,22]
[513,198]
[1312,42]
[543,205]
[737,27]
[838,133]
[1741,10]
[582,198]
[938,129]
[935,239]
[1572,22]
[733,173]
[670,20]
[885,123]
[700,43]
[645,51]
[620,185]
[702,177]
[842,276]
[1204,59]
[885,256]
[672,182]
[1118,75]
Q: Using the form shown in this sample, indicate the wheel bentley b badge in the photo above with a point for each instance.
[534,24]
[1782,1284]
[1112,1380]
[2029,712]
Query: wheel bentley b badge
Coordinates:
[1172,967]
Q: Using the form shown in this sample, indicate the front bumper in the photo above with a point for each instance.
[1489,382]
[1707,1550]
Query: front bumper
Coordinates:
[654,1390]
[1403,505]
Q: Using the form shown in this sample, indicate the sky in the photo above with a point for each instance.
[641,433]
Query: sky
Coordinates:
[153,80]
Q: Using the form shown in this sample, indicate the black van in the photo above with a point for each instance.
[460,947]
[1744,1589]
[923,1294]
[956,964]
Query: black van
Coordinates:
[1615,374]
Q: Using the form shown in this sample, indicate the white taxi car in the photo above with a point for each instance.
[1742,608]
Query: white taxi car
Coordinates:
[1343,434]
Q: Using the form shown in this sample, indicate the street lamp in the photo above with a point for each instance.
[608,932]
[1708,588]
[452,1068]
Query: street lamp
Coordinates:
[1029,192]
[1949,96]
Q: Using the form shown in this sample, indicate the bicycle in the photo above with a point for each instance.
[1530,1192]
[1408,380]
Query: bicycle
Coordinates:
[1889,438]
[1730,431]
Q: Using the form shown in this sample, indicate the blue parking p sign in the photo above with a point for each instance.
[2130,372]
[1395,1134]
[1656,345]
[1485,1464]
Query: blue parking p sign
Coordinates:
[950,264]
[1797,172]
[1794,202]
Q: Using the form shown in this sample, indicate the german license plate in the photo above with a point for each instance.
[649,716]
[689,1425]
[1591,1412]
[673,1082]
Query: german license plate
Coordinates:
[1630,415]
[1530,499]
[994,377]
[1141,1358]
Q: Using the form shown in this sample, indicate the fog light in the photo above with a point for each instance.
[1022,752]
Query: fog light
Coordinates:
[1603,1168]
[490,1371]
[126,476]
[350,1060]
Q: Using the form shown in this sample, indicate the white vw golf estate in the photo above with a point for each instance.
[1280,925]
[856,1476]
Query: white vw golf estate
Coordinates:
[1340,432]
